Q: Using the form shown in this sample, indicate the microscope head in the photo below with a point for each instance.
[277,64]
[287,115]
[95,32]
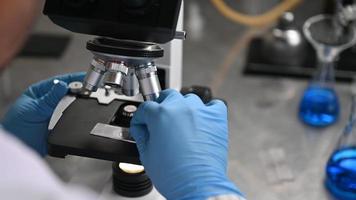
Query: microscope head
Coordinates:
[140,20]
[130,31]
[127,67]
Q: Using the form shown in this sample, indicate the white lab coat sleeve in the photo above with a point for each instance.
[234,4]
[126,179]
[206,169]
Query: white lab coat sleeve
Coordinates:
[227,197]
[24,175]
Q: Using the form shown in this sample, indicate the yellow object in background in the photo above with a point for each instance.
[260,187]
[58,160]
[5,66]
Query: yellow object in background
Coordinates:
[259,20]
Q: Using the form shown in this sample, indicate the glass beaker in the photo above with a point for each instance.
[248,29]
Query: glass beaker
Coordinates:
[319,105]
[341,167]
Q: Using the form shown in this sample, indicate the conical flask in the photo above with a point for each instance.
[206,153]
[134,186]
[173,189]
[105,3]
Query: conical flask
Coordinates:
[341,167]
[319,104]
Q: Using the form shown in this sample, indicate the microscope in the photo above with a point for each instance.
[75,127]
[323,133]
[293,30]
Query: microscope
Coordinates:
[284,52]
[93,120]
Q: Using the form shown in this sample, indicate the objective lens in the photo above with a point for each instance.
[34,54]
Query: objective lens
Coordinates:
[149,83]
[130,85]
[94,75]
[115,74]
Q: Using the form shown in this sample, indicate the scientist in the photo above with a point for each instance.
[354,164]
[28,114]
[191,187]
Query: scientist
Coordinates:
[183,143]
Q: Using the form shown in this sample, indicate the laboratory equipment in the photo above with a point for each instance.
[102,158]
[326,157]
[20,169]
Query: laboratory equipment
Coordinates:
[341,167]
[346,11]
[283,60]
[319,105]
[284,42]
[128,67]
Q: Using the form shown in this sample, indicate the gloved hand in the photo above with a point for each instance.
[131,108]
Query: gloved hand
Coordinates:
[183,145]
[29,117]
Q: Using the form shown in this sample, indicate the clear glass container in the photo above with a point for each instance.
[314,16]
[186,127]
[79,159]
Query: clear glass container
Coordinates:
[319,104]
[341,167]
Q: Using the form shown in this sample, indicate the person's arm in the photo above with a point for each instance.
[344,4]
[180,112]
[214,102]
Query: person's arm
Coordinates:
[183,145]
[25,175]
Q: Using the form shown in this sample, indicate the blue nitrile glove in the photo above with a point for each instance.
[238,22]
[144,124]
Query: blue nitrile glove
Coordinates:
[183,145]
[29,117]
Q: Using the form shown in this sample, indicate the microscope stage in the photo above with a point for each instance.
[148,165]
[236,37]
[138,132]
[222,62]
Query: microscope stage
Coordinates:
[72,134]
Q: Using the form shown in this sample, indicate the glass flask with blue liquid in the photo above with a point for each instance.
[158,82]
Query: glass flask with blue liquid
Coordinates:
[319,106]
[341,168]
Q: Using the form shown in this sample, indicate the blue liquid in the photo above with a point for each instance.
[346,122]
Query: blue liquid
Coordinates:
[341,174]
[319,106]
